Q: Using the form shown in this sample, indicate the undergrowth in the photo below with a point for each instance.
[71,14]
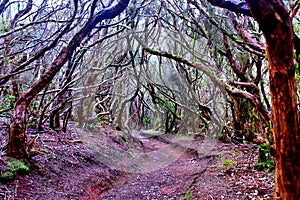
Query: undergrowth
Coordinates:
[15,167]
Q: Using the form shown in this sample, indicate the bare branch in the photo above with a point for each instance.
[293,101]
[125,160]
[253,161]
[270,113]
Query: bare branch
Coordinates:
[21,13]
[2,5]
[236,6]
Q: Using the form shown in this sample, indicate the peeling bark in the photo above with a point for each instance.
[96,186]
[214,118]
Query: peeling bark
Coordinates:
[276,25]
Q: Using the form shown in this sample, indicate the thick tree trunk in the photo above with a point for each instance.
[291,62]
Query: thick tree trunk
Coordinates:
[276,25]
[17,137]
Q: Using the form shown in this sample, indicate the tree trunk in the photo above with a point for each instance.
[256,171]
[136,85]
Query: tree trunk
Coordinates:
[17,138]
[276,25]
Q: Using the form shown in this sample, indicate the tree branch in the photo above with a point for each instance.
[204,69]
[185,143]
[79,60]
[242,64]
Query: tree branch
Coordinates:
[67,51]
[21,13]
[240,6]
[2,5]
[236,6]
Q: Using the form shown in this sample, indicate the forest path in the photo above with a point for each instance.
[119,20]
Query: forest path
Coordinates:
[169,182]
[87,165]
[205,169]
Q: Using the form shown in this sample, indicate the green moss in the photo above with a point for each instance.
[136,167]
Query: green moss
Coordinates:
[188,194]
[7,176]
[18,167]
[15,167]
[131,155]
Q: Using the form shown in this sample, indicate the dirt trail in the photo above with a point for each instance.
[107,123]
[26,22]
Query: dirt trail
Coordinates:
[171,182]
[76,167]
[194,176]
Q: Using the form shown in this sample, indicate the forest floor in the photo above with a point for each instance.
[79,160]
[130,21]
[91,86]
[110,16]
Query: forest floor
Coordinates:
[99,164]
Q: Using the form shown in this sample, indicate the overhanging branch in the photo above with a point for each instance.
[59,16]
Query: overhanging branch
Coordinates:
[240,6]
[232,5]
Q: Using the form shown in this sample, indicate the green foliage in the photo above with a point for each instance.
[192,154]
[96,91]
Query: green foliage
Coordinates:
[171,106]
[234,154]
[229,164]
[131,155]
[146,120]
[6,60]
[188,194]
[255,114]
[32,121]
[18,166]
[160,102]
[15,167]
[266,161]
[36,104]
[6,106]
[4,25]
[196,36]
[9,102]
[296,27]
[101,119]
[7,176]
